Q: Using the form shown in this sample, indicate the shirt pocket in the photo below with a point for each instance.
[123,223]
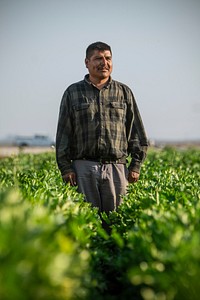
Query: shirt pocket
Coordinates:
[117,105]
[84,114]
[117,111]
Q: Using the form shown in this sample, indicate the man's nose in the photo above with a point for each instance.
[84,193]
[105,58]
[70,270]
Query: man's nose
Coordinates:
[103,61]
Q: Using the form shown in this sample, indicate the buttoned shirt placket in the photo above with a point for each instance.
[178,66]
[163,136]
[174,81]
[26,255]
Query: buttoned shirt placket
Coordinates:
[101,141]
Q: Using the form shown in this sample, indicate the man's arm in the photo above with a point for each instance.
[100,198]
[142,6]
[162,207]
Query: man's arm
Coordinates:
[138,150]
[137,145]
[63,136]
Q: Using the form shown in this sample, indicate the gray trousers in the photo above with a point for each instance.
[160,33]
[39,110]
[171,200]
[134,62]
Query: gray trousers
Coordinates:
[102,184]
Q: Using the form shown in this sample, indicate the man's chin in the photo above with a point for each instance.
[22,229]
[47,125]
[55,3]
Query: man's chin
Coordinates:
[104,75]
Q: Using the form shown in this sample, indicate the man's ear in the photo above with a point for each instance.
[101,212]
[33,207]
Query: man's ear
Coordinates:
[86,62]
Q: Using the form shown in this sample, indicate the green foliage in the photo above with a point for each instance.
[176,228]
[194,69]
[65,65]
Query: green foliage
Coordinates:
[45,232]
[38,260]
[53,246]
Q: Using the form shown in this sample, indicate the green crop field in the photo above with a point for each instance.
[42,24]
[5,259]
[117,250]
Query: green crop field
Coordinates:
[53,247]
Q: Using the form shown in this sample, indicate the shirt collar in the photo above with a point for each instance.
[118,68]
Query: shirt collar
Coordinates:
[86,78]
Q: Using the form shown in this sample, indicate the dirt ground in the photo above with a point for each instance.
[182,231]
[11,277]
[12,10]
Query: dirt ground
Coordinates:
[6,151]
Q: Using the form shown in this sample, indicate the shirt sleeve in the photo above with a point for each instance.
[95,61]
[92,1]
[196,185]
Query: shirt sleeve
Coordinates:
[138,142]
[63,135]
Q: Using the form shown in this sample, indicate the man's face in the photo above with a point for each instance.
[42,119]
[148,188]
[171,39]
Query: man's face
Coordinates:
[99,64]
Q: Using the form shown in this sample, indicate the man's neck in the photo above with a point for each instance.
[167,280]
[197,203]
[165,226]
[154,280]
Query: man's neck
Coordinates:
[99,83]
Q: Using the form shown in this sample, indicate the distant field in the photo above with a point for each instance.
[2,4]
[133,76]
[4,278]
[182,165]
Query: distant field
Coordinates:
[6,151]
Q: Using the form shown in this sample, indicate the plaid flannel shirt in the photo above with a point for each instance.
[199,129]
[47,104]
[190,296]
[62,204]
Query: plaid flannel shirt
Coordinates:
[97,123]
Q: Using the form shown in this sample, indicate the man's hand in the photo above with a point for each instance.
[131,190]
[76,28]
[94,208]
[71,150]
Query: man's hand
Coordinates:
[133,177]
[70,178]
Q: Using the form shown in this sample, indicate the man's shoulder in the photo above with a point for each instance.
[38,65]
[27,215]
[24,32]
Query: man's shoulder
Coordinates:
[121,85]
[75,85]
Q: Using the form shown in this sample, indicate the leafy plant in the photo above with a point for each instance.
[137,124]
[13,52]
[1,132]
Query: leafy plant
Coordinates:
[53,245]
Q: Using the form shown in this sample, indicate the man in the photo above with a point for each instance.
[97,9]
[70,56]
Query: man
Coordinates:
[99,126]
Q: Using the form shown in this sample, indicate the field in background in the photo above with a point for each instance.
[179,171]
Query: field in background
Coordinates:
[6,151]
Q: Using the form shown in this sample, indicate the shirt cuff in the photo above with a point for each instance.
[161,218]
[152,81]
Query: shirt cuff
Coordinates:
[135,167]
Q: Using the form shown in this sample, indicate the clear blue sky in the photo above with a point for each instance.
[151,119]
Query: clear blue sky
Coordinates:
[156,51]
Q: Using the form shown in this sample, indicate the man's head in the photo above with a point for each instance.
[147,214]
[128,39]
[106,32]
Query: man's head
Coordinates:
[98,61]
[100,46]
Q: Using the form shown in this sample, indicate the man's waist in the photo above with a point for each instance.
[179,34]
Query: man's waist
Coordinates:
[104,160]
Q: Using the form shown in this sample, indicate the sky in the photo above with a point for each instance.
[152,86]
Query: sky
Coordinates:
[156,52]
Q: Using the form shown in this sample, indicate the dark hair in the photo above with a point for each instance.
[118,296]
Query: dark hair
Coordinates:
[97,46]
